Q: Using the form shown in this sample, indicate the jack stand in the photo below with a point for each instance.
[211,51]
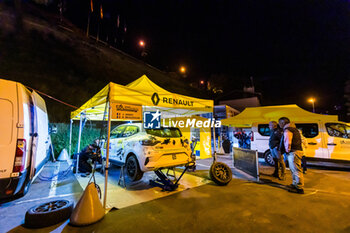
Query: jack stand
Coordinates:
[173,175]
[164,182]
[192,168]
[121,179]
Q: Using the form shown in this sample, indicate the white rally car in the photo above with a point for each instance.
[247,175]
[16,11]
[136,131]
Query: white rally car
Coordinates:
[143,150]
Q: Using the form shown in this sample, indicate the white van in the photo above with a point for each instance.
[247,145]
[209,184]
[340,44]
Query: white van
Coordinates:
[24,137]
[326,141]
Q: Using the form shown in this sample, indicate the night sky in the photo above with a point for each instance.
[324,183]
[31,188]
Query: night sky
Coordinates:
[292,49]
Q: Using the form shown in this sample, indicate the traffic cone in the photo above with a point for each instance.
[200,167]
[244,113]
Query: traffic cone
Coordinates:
[63,155]
[88,209]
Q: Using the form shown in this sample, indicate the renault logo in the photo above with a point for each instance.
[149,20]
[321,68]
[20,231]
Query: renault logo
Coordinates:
[155,98]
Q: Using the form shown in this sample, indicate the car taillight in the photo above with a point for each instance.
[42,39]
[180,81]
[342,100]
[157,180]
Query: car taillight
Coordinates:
[252,136]
[149,142]
[20,156]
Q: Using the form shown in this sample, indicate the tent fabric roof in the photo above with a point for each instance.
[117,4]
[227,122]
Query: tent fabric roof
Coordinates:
[146,93]
[268,113]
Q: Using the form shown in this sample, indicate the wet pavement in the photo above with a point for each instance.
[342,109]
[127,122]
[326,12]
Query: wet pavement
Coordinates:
[242,206]
[46,187]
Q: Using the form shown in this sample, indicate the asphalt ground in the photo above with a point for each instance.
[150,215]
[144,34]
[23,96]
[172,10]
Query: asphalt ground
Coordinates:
[242,206]
[62,186]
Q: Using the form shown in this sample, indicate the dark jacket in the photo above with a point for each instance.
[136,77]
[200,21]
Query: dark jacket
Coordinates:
[295,143]
[275,138]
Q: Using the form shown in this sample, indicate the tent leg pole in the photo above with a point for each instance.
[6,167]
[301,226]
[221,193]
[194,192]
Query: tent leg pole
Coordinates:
[70,136]
[78,148]
[215,157]
[107,156]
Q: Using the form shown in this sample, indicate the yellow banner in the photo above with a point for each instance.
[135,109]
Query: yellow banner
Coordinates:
[126,112]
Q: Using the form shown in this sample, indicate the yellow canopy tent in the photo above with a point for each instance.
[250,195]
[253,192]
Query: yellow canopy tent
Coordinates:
[142,92]
[146,93]
[268,113]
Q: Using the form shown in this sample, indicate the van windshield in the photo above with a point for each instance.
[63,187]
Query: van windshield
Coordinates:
[165,132]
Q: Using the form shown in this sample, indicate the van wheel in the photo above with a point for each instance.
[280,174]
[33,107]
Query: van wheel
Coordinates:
[220,173]
[268,158]
[133,169]
[48,214]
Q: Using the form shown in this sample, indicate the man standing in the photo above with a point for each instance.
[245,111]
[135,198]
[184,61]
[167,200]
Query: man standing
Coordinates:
[291,144]
[274,144]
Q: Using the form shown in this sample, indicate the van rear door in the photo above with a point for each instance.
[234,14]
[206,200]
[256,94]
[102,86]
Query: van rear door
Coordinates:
[40,134]
[8,129]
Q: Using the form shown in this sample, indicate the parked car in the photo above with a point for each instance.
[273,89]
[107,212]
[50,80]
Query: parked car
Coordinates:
[24,137]
[142,150]
[326,141]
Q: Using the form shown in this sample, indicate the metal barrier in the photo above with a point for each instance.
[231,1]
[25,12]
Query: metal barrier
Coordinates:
[247,161]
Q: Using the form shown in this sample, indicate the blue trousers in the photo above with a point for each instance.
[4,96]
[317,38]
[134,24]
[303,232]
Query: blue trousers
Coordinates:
[280,166]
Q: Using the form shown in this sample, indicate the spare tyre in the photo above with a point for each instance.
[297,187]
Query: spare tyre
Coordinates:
[48,214]
[220,173]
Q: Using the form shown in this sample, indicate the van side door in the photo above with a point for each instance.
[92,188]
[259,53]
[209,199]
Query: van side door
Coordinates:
[338,140]
[41,131]
[39,134]
[315,147]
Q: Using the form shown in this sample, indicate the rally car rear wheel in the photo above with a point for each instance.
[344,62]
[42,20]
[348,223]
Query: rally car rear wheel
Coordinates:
[133,168]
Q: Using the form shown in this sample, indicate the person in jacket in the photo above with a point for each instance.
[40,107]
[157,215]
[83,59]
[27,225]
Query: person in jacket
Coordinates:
[90,152]
[226,144]
[240,136]
[274,144]
[304,146]
[291,145]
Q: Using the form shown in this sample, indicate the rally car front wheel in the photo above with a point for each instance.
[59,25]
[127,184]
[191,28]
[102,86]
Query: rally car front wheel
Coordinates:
[133,168]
